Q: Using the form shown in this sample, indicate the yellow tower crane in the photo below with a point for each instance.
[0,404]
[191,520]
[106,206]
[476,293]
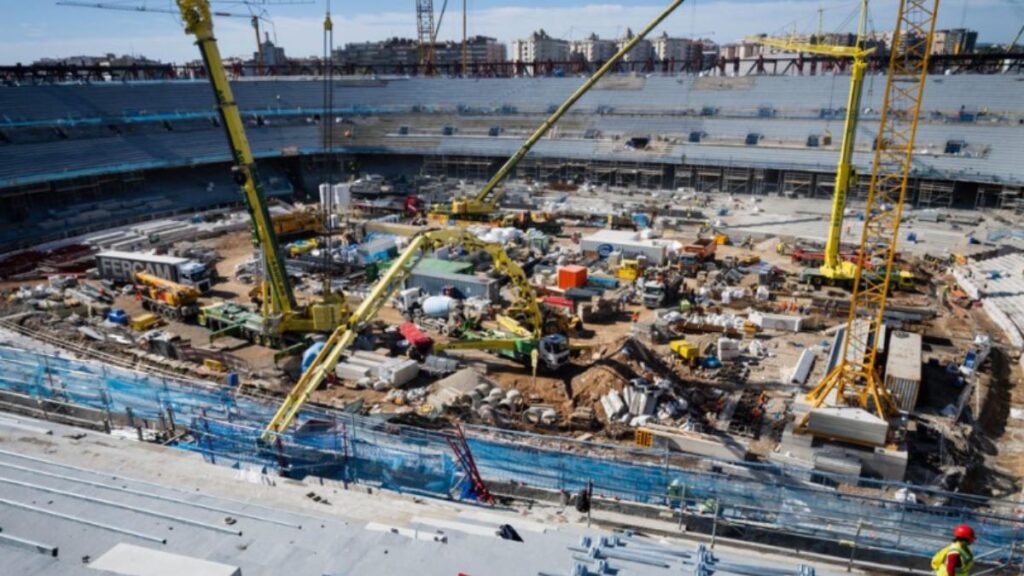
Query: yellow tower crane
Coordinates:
[834,268]
[856,378]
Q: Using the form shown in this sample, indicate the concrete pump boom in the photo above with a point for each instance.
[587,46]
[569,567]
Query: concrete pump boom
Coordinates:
[524,307]
[485,203]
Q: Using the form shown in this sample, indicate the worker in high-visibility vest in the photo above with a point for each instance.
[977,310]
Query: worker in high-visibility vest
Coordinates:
[956,559]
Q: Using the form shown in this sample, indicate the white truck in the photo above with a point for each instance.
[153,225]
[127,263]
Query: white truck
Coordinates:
[121,267]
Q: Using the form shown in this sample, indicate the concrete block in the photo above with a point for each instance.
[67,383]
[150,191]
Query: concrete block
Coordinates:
[720,447]
[781,322]
[800,372]
[848,423]
[132,560]
[400,372]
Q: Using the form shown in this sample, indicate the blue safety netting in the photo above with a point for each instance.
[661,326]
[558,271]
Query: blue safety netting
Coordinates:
[226,429]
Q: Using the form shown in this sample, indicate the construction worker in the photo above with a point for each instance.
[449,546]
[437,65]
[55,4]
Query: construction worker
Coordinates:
[956,559]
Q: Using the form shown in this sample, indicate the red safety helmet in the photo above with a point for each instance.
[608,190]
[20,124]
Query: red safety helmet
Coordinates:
[964,532]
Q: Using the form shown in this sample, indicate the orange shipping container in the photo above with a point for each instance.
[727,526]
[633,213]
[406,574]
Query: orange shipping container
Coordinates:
[572,277]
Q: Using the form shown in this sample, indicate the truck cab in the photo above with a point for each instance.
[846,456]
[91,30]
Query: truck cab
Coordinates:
[197,275]
[553,350]
[661,291]
[654,294]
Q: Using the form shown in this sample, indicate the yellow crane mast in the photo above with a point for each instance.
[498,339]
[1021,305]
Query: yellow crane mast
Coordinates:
[523,311]
[281,312]
[484,205]
[834,267]
[856,379]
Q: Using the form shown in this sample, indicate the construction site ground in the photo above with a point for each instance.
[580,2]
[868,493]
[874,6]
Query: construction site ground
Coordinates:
[991,454]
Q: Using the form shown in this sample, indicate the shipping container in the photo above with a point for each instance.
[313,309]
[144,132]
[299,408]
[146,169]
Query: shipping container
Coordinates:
[572,276]
[629,244]
[466,285]
[121,267]
[903,369]
[440,265]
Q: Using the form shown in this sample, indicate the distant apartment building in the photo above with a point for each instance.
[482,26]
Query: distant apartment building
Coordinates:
[955,41]
[744,50]
[593,49]
[404,52]
[677,49]
[540,47]
[270,55]
[642,52]
[108,59]
[479,50]
[381,54]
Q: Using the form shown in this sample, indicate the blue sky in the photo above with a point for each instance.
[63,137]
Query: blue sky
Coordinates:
[40,28]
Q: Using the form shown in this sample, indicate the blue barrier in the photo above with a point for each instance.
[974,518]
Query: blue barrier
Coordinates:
[225,428]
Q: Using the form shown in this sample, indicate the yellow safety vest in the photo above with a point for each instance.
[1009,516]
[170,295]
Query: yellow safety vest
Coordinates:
[966,559]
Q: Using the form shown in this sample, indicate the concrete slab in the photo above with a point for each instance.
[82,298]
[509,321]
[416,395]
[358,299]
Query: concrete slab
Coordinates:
[132,560]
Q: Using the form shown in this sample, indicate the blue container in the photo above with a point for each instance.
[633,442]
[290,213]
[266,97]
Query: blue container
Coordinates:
[603,282]
[310,354]
[118,316]
[233,379]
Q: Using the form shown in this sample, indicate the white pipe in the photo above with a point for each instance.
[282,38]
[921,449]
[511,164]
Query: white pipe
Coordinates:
[68,517]
[127,490]
[111,503]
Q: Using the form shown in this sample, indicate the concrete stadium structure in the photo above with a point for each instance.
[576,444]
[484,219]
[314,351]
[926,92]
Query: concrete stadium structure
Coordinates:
[763,135]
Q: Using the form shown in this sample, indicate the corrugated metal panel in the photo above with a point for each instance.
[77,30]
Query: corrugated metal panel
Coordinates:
[904,392]
[468,285]
[439,265]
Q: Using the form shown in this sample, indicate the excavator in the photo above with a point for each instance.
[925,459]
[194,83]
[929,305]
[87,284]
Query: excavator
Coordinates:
[484,206]
[520,328]
[281,319]
[166,298]
[834,268]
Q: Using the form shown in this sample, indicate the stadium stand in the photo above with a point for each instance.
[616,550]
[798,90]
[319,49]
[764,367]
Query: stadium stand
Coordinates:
[694,129]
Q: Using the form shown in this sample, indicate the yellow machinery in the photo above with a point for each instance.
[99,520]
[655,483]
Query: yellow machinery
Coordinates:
[144,322]
[167,298]
[834,267]
[484,205]
[629,270]
[281,314]
[296,222]
[856,378]
[302,247]
[523,311]
[686,350]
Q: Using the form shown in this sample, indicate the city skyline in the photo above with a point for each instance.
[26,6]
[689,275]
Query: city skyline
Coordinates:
[158,36]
